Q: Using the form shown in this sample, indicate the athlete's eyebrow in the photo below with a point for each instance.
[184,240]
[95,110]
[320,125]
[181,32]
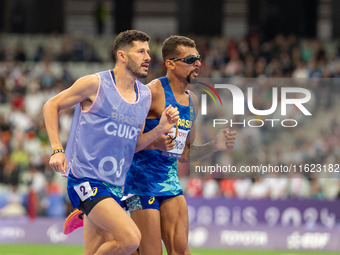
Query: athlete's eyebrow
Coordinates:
[143,50]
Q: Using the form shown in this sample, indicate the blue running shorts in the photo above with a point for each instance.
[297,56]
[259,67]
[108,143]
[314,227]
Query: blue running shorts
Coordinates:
[85,193]
[137,202]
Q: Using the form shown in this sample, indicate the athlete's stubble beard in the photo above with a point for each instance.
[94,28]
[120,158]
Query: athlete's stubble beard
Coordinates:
[189,76]
[133,67]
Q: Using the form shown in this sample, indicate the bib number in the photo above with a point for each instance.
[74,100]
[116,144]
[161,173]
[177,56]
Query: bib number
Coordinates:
[83,190]
[180,144]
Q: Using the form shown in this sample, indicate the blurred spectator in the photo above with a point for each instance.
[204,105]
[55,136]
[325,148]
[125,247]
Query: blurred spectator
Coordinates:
[19,119]
[37,192]
[259,189]
[242,187]
[14,207]
[299,187]
[20,54]
[19,157]
[210,189]
[278,186]
[194,187]
[227,188]
[316,190]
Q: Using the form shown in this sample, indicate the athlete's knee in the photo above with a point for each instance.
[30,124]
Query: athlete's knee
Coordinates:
[131,240]
[180,250]
[181,245]
[177,246]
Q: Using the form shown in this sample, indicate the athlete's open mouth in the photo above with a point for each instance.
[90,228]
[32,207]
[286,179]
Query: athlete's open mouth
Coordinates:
[145,65]
[195,72]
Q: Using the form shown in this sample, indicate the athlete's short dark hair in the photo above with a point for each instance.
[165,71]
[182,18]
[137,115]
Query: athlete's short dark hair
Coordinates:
[170,44]
[126,39]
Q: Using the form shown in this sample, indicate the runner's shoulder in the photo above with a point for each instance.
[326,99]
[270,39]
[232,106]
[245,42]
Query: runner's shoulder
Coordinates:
[193,98]
[155,87]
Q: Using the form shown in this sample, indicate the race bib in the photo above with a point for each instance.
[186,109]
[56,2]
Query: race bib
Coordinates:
[83,190]
[180,143]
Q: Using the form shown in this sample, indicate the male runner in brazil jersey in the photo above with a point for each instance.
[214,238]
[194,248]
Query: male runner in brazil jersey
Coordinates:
[105,133]
[152,190]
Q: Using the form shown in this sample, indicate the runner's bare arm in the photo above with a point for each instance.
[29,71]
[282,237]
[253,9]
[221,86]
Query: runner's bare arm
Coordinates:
[168,119]
[224,140]
[192,152]
[82,91]
[162,142]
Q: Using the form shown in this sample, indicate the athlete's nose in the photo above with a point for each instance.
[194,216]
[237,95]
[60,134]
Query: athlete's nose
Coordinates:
[147,57]
[197,63]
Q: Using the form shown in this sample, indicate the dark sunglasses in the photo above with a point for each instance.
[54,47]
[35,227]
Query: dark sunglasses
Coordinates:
[189,59]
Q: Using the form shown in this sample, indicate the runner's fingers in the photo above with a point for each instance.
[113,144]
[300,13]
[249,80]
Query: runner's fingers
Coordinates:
[169,107]
[171,145]
[230,135]
[229,144]
[169,110]
[170,138]
[172,112]
[63,166]
[168,132]
[56,166]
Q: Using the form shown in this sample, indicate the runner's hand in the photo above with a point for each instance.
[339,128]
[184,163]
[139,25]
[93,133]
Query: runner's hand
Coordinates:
[58,162]
[225,139]
[169,118]
[164,142]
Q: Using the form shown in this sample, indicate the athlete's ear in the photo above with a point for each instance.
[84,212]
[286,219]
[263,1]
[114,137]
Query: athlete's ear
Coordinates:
[169,64]
[121,56]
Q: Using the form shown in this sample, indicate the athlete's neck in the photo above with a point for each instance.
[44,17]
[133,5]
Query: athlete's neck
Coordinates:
[124,79]
[178,86]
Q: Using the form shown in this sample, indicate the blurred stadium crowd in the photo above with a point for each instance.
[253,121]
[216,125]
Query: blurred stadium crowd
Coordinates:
[33,68]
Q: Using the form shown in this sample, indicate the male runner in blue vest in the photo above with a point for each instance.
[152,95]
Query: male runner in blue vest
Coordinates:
[105,133]
[154,195]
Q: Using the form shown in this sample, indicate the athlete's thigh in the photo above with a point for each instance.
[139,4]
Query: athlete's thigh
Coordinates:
[175,224]
[110,217]
[148,222]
